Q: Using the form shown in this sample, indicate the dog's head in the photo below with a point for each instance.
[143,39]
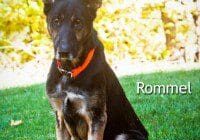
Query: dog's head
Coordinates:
[70,23]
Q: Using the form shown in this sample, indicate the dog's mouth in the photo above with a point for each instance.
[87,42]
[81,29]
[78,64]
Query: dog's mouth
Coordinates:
[64,64]
[66,61]
[65,56]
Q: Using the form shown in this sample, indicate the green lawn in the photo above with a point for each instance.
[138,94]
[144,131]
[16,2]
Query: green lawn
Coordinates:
[173,117]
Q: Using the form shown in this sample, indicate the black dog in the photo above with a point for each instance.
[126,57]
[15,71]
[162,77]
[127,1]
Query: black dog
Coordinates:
[83,90]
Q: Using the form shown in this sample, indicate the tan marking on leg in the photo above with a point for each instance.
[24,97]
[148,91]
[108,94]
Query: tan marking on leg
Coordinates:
[61,130]
[96,131]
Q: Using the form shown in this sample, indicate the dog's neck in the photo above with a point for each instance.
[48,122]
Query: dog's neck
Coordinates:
[90,43]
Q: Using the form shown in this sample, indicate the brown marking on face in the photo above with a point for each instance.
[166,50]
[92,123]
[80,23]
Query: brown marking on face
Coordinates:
[76,60]
[52,33]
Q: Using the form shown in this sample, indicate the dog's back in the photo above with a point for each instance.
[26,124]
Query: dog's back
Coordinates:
[122,121]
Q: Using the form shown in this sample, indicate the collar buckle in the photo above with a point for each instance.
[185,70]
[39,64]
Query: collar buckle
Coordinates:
[69,74]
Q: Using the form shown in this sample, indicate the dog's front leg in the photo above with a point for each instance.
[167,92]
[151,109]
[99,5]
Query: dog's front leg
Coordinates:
[96,127]
[61,130]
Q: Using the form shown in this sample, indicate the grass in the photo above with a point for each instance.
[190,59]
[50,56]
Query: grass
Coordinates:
[165,116]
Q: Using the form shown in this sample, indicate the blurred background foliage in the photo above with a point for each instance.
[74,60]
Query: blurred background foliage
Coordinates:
[129,29]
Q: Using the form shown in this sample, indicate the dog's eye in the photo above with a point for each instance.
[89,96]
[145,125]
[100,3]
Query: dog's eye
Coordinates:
[77,24]
[56,22]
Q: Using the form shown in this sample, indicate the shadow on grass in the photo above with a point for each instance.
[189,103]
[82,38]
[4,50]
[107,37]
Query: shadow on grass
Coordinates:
[164,116]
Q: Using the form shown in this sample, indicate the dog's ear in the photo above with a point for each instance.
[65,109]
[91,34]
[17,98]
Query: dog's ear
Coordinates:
[47,5]
[93,5]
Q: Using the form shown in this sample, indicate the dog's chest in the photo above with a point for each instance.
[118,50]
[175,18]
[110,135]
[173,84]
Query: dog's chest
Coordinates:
[71,100]
[72,104]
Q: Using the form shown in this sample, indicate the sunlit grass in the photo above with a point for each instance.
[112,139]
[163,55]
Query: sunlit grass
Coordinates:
[164,116]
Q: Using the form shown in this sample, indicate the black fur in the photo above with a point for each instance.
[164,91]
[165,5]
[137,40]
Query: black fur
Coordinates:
[97,79]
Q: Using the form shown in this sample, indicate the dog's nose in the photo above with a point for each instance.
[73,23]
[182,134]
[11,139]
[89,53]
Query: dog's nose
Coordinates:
[64,54]
[63,48]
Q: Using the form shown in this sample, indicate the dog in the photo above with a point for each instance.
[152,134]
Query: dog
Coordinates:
[84,92]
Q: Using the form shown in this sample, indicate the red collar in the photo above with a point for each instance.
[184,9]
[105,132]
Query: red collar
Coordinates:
[76,71]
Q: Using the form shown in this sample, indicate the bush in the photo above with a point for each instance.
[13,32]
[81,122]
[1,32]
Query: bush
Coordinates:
[145,30]
[23,35]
